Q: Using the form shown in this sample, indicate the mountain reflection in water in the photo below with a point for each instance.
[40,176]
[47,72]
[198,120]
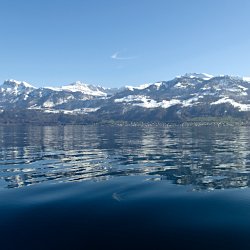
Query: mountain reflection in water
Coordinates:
[206,157]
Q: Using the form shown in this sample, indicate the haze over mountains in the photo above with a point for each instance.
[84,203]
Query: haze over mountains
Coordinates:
[184,97]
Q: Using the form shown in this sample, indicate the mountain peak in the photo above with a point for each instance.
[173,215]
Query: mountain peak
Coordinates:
[79,83]
[11,83]
[84,88]
[203,76]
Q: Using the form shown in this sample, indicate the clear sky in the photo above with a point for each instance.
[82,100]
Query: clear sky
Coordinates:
[122,42]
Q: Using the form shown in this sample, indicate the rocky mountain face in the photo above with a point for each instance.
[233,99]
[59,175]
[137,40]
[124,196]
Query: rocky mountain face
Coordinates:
[182,98]
[191,95]
[73,97]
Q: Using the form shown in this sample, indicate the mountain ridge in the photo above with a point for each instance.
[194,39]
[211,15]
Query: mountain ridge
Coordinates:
[183,97]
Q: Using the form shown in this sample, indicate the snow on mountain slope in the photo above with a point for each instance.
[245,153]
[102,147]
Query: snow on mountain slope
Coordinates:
[146,102]
[246,78]
[192,94]
[240,106]
[78,86]
[12,91]
[142,86]
[203,76]
[15,87]
[17,94]
[15,83]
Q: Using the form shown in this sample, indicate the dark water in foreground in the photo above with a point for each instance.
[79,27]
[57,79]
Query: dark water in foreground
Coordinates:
[96,187]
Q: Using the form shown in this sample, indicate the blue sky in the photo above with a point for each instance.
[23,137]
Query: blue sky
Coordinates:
[122,42]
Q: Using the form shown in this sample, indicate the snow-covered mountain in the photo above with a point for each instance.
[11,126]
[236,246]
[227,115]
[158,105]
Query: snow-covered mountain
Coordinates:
[83,88]
[21,95]
[187,96]
[190,90]
[14,87]
[12,91]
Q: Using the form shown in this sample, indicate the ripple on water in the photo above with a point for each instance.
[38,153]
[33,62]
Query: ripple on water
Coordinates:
[205,157]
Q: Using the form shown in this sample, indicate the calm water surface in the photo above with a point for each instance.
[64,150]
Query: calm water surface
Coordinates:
[99,187]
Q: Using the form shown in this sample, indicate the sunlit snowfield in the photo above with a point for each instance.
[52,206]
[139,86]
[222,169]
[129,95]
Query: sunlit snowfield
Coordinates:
[140,187]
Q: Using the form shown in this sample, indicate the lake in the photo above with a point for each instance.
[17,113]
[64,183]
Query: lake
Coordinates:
[131,187]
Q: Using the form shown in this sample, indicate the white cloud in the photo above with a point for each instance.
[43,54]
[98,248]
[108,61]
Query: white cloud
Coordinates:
[116,56]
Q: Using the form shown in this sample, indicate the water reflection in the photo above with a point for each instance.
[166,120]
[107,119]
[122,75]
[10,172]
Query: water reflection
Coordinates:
[205,157]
